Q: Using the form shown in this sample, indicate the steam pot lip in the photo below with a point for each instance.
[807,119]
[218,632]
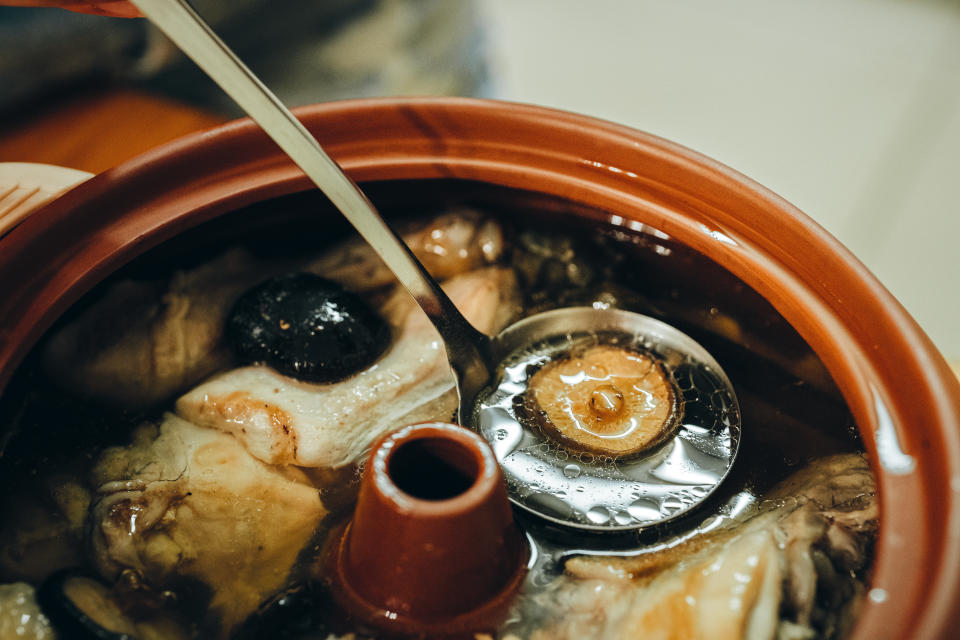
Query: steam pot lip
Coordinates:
[408,553]
[902,393]
[487,479]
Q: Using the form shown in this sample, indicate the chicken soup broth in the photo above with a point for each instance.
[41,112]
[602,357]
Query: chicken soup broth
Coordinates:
[179,449]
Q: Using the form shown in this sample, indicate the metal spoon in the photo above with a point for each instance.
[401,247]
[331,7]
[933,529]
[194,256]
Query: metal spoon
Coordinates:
[472,355]
[467,349]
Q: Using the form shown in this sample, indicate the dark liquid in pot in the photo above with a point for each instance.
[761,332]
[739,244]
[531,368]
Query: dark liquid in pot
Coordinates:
[792,412]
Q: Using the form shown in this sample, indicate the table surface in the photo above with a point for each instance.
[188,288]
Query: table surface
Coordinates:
[98,130]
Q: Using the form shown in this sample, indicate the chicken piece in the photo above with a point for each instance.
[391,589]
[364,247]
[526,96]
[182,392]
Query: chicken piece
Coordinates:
[20,615]
[447,245]
[141,343]
[183,501]
[732,593]
[283,421]
[793,559]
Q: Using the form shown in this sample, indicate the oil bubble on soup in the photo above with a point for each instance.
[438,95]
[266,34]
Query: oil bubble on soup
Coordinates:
[210,421]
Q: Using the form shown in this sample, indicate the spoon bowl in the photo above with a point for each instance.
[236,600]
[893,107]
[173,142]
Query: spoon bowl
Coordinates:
[596,492]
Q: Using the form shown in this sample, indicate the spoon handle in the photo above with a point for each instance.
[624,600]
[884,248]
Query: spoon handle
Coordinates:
[466,347]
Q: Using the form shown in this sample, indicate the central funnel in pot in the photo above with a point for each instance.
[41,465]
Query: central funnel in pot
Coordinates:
[433,546]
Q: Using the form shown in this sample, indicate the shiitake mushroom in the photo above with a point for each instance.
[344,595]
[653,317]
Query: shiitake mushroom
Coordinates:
[605,400]
[306,327]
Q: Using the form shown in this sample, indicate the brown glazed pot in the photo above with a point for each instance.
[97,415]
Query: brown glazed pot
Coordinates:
[902,394]
[431,513]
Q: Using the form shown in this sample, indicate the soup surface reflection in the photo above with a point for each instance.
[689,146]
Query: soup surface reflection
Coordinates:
[170,477]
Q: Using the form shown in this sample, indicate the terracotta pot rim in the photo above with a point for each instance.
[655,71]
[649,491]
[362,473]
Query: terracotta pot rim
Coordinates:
[901,391]
[486,479]
[450,586]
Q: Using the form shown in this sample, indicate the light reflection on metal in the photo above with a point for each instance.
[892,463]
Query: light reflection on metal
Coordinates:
[891,455]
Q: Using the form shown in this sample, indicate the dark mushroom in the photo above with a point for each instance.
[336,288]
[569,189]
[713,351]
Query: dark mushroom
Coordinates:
[306,327]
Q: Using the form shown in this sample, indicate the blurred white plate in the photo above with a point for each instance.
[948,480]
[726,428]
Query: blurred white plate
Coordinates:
[26,186]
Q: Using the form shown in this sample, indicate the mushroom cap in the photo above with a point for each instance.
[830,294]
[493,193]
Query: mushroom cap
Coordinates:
[606,400]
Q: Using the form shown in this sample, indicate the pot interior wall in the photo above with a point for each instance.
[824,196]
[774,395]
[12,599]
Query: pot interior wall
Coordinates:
[792,411]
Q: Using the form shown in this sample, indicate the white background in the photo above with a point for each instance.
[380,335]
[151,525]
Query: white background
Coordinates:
[850,109]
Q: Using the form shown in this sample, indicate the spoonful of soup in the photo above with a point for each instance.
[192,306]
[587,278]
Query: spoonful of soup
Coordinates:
[600,383]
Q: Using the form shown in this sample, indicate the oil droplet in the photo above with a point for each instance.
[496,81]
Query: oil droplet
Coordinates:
[644,510]
[571,471]
[550,504]
[598,515]
[597,371]
[671,504]
[622,517]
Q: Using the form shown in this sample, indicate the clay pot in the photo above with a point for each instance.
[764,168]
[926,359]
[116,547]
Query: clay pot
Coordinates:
[901,392]
[431,513]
